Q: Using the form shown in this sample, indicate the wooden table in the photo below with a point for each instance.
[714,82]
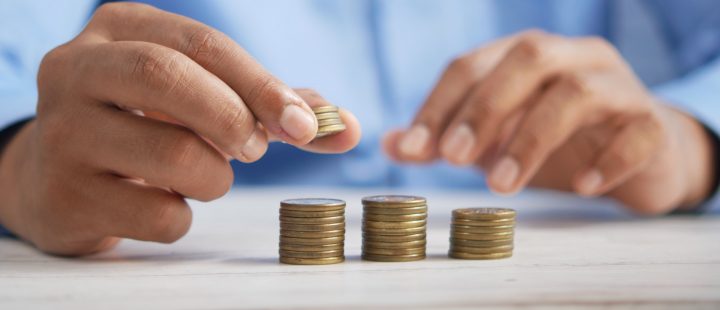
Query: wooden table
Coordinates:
[569,252]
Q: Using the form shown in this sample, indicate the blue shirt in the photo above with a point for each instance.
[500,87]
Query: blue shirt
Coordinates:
[380,59]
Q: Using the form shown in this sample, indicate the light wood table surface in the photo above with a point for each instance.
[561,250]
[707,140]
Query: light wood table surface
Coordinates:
[569,253]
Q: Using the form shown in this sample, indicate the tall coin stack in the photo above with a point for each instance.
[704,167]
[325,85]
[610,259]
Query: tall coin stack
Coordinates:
[312,231]
[394,228]
[482,233]
[329,121]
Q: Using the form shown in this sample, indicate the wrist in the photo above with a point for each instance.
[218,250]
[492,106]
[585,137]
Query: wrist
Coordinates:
[13,157]
[698,143]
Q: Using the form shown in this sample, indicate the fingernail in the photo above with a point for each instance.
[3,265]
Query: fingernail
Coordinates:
[590,182]
[415,140]
[458,146]
[254,147]
[297,122]
[505,173]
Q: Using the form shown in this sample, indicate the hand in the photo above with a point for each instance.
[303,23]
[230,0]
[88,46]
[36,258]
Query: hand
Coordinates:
[141,110]
[563,113]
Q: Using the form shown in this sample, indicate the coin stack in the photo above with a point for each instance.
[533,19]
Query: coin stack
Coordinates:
[329,121]
[482,233]
[394,228]
[312,231]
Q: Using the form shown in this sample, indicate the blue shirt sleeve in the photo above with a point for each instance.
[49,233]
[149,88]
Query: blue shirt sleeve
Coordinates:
[695,39]
[28,30]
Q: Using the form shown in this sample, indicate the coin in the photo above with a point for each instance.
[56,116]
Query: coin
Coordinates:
[313,204]
[394,201]
[481,250]
[313,228]
[394,225]
[481,243]
[399,251]
[375,210]
[327,115]
[330,130]
[312,241]
[484,213]
[395,245]
[483,229]
[320,254]
[462,255]
[312,261]
[328,122]
[393,258]
[313,220]
[312,234]
[392,239]
[483,223]
[395,217]
[490,236]
[394,232]
[325,109]
[310,214]
[311,248]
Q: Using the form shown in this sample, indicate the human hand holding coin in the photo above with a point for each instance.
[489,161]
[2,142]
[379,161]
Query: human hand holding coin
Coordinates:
[141,110]
[537,109]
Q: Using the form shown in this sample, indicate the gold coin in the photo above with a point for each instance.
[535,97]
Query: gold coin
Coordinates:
[312,220]
[383,251]
[395,245]
[483,223]
[312,261]
[394,225]
[393,258]
[481,243]
[478,250]
[325,109]
[330,130]
[311,214]
[327,115]
[483,213]
[394,201]
[395,217]
[393,239]
[462,255]
[312,234]
[316,227]
[394,232]
[483,230]
[394,211]
[312,204]
[312,241]
[328,122]
[320,254]
[311,248]
[491,236]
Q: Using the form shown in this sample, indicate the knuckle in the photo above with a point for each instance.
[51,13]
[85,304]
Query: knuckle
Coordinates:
[463,67]
[51,65]
[529,143]
[574,85]
[529,48]
[235,124]
[218,184]
[207,46]
[183,151]
[159,69]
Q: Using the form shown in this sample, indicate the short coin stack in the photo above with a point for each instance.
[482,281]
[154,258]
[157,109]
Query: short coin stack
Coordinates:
[329,121]
[394,228]
[482,233]
[312,231]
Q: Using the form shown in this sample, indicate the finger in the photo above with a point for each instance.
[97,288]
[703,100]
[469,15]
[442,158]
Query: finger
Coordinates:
[274,104]
[150,77]
[567,104]
[161,154]
[390,142]
[128,209]
[337,143]
[632,148]
[534,58]
[419,143]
